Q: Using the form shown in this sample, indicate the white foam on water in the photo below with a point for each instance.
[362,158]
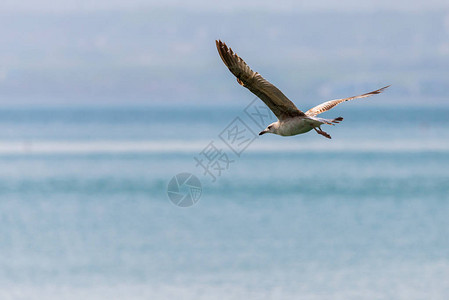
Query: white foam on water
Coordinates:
[177,146]
[405,281]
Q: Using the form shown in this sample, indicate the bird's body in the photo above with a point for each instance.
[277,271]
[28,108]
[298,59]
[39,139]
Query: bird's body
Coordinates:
[291,120]
[294,126]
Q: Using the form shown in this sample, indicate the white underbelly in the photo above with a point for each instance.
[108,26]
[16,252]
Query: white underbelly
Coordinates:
[295,126]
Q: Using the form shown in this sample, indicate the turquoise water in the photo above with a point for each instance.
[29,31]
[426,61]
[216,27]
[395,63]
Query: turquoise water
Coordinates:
[84,212]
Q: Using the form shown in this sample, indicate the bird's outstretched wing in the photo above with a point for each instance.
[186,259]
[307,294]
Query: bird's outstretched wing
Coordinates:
[281,106]
[330,104]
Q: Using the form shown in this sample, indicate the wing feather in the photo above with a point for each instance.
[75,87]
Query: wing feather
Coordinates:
[330,104]
[281,106]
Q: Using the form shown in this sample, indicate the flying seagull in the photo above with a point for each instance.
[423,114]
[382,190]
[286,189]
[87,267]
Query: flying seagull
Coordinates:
[291,120]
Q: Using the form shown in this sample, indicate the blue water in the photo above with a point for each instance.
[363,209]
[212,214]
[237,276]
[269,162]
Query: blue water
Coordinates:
[84,211]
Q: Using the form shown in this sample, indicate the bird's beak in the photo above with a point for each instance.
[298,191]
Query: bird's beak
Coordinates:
[263,132]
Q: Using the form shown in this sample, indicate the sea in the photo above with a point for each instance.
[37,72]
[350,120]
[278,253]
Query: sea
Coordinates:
[87,209]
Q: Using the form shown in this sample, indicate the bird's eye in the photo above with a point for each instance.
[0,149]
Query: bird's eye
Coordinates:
[269,127]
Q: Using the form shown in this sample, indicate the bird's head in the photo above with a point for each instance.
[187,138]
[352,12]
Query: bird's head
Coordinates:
[272,128]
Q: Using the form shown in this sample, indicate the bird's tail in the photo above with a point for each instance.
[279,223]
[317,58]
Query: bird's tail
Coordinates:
[330,122]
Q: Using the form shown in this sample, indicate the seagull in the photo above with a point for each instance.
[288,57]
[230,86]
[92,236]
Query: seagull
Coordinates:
[291,120]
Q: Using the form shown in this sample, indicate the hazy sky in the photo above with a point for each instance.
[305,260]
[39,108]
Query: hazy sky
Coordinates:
[125,50]
[281,5]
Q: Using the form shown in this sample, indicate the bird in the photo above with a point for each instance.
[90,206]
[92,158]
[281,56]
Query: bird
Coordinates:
[291,121]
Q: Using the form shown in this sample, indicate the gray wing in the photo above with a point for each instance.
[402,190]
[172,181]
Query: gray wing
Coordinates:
[330,104]
[279,104]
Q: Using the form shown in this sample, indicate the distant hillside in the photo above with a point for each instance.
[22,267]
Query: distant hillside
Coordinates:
[166,55]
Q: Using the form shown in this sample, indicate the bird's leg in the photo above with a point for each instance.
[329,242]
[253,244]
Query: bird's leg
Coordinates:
[319,131]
